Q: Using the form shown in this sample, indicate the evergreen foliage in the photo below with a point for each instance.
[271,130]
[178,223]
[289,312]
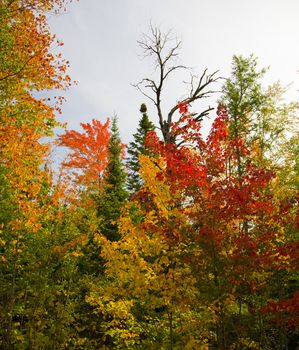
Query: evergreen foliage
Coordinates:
[136,148]
[114,193]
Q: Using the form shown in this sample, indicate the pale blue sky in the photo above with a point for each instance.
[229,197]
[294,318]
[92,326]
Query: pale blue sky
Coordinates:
[100,42]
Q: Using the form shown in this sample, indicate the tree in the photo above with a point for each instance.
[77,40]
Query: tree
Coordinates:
[243,94]
[89,154]
[29,64]
[261,122]
[165,50]
[257,114]
[136,148]
[149,298]
[192,230]
[114,193]
[244,98]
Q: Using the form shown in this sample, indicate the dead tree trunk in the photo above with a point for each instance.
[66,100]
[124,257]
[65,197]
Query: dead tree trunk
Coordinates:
[164,49]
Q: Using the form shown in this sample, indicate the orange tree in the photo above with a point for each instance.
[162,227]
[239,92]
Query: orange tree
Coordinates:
[85,165]
[29,66]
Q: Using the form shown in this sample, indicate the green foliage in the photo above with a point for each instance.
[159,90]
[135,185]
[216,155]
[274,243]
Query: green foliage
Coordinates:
[242,92]
[136,148]
[203,256]
[267,127]
[114,194]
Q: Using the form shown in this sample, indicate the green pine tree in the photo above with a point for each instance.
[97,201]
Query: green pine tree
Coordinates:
[114,193]
[136,148]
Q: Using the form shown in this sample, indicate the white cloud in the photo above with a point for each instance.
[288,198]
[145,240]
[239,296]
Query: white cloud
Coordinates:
[100,41]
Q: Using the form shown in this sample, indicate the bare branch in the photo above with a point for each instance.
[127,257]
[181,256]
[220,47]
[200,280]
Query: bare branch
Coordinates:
[197,92]
[203,114]
[170,70]
[143,93]
[164,48]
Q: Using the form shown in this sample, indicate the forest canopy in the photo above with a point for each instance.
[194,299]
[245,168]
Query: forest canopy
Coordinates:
[174,241]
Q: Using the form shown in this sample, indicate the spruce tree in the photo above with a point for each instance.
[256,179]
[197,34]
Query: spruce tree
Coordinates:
[136,148]
[114,193]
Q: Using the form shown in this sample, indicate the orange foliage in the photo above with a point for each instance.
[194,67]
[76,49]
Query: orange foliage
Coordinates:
[28,65]
[88,158]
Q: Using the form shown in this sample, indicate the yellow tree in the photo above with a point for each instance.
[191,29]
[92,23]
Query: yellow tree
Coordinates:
[149,297]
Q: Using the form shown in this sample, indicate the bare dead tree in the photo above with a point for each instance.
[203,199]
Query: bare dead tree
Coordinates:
[164,49]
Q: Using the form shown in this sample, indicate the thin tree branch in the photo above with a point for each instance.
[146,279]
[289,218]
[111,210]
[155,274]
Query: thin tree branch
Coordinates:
[165,49]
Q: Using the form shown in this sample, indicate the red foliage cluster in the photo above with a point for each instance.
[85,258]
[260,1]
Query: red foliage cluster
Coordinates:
[284,312]
[235,213]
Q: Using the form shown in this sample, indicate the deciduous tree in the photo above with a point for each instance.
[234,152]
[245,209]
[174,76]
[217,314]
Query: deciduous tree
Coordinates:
[89,154]
[28,64]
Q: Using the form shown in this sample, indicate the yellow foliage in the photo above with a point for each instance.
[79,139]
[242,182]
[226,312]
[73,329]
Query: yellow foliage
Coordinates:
[149,169]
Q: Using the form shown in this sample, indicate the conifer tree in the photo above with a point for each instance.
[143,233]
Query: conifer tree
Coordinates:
[114,193]
[136,148]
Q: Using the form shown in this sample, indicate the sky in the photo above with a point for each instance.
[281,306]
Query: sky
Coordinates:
[100,41]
